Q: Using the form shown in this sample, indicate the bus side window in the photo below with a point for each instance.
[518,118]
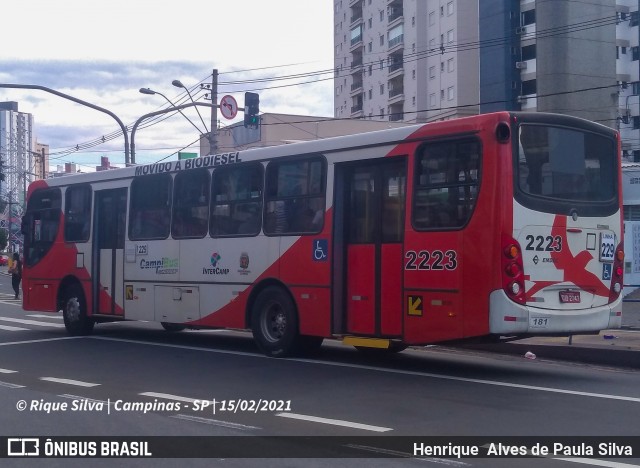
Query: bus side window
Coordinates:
[150,212]
[236,200]
[77,213]
[295,196]
[190,204]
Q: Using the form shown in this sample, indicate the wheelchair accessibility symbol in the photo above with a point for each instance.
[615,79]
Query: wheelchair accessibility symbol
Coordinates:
[607,268]
[320,250]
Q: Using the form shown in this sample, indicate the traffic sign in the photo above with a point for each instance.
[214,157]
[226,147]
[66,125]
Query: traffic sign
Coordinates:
[228,107]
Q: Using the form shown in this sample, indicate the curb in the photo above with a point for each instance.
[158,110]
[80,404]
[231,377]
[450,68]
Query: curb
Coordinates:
[623,358]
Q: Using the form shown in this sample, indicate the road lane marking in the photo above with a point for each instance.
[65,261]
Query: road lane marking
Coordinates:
[395,453]
[590,461]
[168,396]
[215,422]
[10,385]
[10,328]
[334,422]
[78,383]
[10,343]
[32,322]
[388,371]
[52,316]
[7,371]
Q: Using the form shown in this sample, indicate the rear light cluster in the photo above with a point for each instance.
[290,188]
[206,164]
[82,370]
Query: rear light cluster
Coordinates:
[512,270]
[617,274]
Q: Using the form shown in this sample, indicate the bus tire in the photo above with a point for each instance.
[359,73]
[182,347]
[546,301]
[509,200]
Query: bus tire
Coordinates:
[274,323]
[74,312]
[172,327]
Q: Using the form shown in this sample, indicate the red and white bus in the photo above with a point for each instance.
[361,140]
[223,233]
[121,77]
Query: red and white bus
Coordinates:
[504,224]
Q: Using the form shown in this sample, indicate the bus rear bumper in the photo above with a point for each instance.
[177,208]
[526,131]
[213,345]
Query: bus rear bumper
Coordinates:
[508,318]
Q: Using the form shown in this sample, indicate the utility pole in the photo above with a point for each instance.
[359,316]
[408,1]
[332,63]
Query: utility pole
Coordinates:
[213,137]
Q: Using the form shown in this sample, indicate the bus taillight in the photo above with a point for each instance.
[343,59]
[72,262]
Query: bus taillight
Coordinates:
[512,270]
[617,274]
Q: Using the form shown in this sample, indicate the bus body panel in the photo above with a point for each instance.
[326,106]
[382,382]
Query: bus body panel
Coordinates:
[429,284]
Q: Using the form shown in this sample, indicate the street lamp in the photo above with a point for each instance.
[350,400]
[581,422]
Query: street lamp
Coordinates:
[160,112]
[150,92]
[178,84]
[84,103]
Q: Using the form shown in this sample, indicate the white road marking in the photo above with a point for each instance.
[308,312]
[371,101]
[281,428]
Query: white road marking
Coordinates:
[438,461]
[10,385]
[32,322]
[590,461]
[51,316]
[78,383]
[215,422]
[168,396]
[7,371]
[76,397]
[334,422]
[10,328]
[41,341]
[390,371]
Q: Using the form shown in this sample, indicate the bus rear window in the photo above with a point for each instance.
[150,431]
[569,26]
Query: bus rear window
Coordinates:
[40,224]
[566,164]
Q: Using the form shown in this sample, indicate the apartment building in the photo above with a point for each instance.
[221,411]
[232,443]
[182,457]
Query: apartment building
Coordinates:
[405,60]
[424,60]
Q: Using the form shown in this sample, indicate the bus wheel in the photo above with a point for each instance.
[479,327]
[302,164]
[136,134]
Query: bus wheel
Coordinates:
[74,313]
[172,327]
[274,323]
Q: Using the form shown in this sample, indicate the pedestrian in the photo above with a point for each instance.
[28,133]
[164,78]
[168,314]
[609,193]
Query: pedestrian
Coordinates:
[16,273]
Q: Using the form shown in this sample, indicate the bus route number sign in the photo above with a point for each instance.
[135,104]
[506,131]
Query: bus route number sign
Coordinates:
[607,246]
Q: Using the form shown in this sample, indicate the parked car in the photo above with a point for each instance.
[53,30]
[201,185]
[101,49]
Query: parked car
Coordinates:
[4,260]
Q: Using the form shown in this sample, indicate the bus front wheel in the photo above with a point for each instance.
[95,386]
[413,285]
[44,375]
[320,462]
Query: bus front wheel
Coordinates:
[274,323]
[74,313]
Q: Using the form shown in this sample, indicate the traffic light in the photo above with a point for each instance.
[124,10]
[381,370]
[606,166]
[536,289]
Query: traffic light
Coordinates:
[251,110]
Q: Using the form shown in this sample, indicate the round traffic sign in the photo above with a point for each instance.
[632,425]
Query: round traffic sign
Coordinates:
[228,107]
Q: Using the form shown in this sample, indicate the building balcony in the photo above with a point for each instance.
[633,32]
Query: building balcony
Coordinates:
[396,69]
[356,109]
[394,18]
[396,117]
[354,2]
[355,43]
[396,95]
[396,43]
[356,18]
[356,67]
[356,88]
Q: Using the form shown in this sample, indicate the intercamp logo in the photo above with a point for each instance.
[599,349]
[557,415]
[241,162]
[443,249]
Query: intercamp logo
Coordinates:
[23,447]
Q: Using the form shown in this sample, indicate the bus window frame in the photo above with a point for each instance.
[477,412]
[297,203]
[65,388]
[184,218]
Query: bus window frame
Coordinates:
[282,201]
[30,243]
[133,213]
[88,213]
[220,171]
[418,154]
[183,205]
[546,204]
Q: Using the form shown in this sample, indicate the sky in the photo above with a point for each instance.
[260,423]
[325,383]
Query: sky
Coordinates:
[104,51]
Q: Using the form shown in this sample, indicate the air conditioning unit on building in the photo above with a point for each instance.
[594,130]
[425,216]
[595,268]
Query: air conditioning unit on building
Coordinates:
[521,30]
[521,65]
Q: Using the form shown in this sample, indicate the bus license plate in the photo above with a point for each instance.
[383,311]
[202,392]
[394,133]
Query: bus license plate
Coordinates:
[570,297]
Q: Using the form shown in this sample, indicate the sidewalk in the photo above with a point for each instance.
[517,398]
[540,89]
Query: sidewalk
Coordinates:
[616,348]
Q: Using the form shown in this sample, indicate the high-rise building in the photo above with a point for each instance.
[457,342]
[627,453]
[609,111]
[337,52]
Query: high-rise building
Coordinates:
[403,60]
[424,60]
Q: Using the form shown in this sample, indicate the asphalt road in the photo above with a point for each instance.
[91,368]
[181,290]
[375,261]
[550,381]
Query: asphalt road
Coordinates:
[418,394]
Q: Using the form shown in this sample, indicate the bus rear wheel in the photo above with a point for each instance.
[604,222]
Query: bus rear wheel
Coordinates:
[74,313]
[274,323]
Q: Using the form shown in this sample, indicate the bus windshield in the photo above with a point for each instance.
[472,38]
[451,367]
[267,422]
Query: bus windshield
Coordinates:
[565,164]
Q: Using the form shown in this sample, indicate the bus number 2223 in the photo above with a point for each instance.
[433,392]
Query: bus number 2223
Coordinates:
[435,260]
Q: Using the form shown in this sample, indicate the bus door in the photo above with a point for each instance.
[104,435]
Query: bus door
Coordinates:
[372,212]
[110,208]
